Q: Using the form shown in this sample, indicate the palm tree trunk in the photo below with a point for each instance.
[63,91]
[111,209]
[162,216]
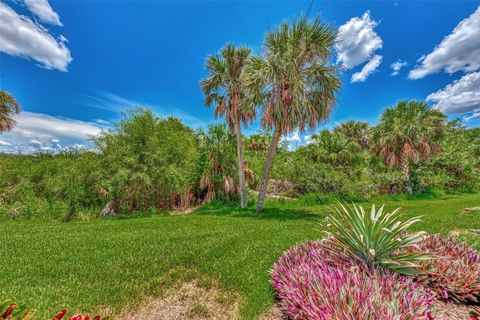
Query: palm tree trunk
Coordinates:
[406,175]
[268,167]
[241,169]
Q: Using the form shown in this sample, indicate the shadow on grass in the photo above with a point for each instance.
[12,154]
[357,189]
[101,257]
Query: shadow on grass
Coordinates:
[269,213]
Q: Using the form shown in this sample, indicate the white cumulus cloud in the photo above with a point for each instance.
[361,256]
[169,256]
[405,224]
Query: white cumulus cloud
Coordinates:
[40,132]
[460,97]
[357,41]
[397,66]
[43,10]
[459,51]
[367,69]
[20,36]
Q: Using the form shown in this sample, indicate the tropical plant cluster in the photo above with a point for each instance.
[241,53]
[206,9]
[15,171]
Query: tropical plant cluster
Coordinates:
[349,163]
[146,162]
[369,267]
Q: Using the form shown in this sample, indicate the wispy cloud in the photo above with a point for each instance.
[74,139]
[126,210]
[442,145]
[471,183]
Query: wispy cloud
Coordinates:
[113,102]
[44,11]
[367,69]
[473,116]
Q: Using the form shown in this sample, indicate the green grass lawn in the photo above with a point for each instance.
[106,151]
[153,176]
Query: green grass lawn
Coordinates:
[110,263]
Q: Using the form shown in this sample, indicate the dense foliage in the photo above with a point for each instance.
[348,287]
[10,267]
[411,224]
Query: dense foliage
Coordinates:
[346,166]
[147,162]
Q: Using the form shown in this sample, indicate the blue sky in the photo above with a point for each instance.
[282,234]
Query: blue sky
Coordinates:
[74,65]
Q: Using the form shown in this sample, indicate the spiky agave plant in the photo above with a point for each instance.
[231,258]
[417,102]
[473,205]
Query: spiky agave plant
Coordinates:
[376,237]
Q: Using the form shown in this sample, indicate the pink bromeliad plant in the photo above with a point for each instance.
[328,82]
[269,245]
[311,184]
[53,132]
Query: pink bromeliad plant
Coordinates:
[312,281]
[454,272]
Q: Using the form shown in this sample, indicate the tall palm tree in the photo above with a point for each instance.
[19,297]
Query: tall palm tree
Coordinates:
[223,87]
[8,107]
[293,82]
[408,132]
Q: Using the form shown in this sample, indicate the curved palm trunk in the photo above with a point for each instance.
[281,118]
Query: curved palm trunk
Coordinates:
[241,169]
[268,167]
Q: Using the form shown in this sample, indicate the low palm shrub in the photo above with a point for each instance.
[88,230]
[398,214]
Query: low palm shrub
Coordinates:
[454,273]
[377,238]
[316,281]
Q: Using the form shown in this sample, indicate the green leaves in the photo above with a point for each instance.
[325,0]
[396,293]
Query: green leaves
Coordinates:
[376,237]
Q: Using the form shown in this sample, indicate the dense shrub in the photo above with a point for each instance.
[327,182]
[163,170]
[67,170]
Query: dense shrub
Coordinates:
[149,161]
[317,281]
[45,185]
[454,273]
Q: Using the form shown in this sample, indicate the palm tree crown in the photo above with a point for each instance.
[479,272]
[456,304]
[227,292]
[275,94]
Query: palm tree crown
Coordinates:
[358,130]
[408,132]
[293,80]
[223,86]
[8,107]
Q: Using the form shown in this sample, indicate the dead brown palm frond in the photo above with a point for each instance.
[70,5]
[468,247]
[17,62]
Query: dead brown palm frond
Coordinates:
[228,185]
[8,108]
[250,176]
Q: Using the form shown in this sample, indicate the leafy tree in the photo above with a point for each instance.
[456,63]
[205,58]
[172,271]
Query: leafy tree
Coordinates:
[293,82]
[8,107]
[150,162]
[408,132]
[457,168]
[223,87]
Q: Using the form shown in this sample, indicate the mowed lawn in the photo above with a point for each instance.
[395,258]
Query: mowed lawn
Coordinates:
[111,263]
